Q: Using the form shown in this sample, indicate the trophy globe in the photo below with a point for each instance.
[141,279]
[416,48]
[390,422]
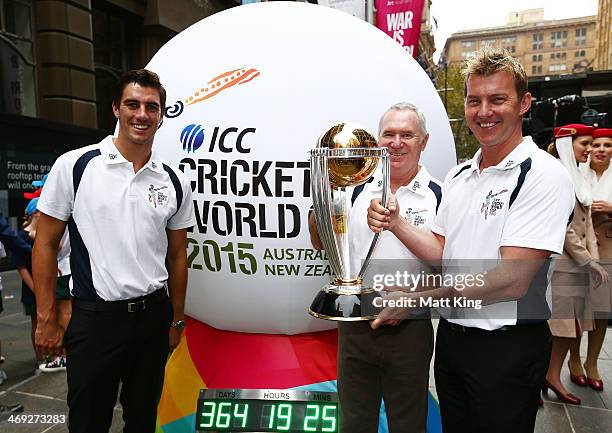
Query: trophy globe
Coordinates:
[349,171]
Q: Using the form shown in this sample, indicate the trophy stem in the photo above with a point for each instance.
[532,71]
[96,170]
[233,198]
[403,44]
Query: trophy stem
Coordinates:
[384,199]
[323,208]
[342,206]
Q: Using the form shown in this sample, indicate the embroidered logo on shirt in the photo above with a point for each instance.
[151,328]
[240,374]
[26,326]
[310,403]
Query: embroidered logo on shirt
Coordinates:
[509,163]
[112,156]
[380,183]
[492,204]
[153,165]
[416,217]
[416,185]
[157,196]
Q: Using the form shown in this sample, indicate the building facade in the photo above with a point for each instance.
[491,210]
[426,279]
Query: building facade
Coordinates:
[427,45]
[61,56]
[603,41]
[59,61]
[544,47]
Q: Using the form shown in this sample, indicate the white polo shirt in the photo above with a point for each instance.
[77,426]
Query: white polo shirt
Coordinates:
[418,202]
[117,219]
[524,201]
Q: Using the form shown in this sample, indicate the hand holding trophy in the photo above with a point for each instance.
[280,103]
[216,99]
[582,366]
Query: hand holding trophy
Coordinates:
[346,156]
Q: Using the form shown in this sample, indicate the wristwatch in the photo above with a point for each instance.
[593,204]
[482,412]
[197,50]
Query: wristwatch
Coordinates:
[179,324]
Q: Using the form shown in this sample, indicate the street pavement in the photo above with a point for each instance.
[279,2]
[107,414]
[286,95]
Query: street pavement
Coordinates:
[45,394]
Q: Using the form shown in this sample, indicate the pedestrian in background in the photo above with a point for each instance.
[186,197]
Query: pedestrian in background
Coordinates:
[16,245]
[571,309]
[599,176]
[22,261]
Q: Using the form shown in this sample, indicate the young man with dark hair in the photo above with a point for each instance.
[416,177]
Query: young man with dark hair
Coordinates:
[128,262]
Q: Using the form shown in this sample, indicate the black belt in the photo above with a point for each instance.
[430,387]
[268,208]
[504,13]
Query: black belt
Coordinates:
[474,330]
[126,306]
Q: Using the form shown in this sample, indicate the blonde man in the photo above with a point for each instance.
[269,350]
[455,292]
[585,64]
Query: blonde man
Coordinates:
[503,214]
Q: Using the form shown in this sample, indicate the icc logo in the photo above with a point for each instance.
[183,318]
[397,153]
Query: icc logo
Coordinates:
[192,137]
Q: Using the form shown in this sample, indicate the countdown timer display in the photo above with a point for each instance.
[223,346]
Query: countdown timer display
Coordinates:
[266,410]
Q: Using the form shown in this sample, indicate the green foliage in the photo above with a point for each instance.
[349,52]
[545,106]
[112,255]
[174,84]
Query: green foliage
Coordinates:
[465,143]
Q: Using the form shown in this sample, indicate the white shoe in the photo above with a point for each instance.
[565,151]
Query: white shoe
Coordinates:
[58,364]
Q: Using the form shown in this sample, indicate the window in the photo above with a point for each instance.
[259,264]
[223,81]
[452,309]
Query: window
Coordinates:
[536,58]
[536,69]
[467,54]
[581,36]
[114,53]
[580,53]
[468,44]
[487,43]
[558,39]
[557,67]
[509,43]
[18,95]
[538,41]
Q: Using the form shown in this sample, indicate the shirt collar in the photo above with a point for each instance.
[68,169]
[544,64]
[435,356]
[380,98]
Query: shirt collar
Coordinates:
[418,185]
[519,154]
[111,155]
[155,164]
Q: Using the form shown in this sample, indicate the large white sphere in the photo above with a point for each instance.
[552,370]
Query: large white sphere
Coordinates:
[280,74]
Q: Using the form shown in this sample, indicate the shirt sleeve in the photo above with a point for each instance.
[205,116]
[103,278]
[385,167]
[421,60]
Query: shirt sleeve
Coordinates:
[185,215]
[539,216]
[440,220]
[57,197]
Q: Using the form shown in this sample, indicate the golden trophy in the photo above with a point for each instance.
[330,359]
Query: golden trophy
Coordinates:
[346,156]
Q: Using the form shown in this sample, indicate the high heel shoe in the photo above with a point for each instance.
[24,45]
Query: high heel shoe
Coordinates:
[596,384]
[565,398]
[579,380]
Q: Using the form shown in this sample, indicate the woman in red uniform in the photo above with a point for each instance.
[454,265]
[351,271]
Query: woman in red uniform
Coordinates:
[570,283]
[600,178]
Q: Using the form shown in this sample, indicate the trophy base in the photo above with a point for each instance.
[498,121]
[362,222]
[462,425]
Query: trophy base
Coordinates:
[345,307]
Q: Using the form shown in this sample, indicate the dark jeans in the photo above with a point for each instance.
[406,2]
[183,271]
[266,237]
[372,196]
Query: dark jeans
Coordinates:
[106,348]
[391,362]
[490,381]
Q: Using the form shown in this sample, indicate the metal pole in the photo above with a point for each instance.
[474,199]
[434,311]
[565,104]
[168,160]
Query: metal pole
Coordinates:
[446,85]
